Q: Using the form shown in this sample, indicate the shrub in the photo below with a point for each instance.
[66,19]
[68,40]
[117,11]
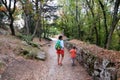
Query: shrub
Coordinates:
[26,38]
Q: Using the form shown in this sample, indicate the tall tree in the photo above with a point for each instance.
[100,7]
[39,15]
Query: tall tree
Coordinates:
[2,8]
[10,7]
[105,21]
[77,16]
[27,8]
[97,20]
[38,25]
[115,20]
[94,21]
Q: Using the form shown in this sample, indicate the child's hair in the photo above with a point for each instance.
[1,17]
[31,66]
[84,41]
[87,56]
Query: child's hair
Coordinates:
[60,37]
[74,47]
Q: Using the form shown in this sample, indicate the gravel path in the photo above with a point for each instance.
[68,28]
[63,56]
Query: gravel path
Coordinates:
[24,69]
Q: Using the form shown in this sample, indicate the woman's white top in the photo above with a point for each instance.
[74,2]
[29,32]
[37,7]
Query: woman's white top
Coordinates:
[62,43]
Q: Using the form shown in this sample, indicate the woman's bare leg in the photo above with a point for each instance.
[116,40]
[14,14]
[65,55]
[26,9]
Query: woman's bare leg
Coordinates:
[62,55]
[58,58]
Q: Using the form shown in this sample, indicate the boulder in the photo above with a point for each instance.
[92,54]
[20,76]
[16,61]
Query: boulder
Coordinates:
[24,43]
[41,56]
[3,32]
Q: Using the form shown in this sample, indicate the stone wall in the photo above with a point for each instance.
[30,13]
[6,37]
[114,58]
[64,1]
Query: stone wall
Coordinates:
[98,68]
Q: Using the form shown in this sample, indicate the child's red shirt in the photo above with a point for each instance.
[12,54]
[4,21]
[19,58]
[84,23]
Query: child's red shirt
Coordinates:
[73,53]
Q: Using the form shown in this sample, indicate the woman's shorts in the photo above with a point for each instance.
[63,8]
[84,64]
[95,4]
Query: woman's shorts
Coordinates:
[60,52]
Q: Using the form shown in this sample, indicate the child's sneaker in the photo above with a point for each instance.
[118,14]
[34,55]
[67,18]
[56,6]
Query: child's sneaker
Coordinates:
[73,64]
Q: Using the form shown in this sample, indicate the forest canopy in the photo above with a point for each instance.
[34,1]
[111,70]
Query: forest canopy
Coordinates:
[93,21]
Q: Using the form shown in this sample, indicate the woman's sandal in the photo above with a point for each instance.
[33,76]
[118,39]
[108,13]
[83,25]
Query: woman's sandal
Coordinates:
[60,64]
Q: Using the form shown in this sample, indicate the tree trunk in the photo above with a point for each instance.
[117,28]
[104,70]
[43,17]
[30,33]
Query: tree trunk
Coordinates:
[99,30]
[39,11]
[94,23]
[114,23]
[10,11]
[36,26]
[78,26]
[26,24]
[109,39]
[105,22]
[11,25]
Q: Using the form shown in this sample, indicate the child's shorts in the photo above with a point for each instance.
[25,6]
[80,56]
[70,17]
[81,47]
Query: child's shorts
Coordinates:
[60,52]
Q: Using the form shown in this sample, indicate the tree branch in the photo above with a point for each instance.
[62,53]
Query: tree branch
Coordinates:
[5,13]
[104,14]
[9,6]
[14,6]
[5,4]
[88,3]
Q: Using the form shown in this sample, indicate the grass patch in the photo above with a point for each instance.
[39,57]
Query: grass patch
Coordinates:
[28,39]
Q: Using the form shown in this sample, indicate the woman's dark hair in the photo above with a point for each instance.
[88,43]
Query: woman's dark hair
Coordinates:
[60,37]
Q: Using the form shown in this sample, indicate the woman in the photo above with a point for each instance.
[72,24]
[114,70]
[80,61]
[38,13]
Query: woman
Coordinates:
[60,51]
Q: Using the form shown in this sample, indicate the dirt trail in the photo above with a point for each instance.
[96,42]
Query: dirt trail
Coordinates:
[65,72]
[25,69]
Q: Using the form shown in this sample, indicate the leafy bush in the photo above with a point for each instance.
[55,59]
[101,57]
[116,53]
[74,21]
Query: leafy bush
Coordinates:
[34,44]
[28,39]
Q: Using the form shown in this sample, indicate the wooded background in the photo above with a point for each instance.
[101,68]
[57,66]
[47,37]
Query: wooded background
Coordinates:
[93,21]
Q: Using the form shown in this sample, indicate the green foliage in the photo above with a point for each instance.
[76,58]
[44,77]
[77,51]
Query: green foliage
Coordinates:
[86,21]
[53,31]
[33,44]
[26,38]
[115,44]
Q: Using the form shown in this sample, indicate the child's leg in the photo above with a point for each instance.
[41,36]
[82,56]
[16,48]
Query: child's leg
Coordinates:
[73,61]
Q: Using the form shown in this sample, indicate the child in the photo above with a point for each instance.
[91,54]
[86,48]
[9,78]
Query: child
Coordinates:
[73,55]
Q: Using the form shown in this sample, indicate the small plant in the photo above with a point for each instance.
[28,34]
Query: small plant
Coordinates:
[33,44]
[26,38]
[1,65]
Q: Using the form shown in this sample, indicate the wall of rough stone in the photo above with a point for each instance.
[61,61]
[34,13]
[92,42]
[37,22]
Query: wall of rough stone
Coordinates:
[98,68]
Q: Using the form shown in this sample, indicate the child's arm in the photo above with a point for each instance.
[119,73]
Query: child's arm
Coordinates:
[75,51]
